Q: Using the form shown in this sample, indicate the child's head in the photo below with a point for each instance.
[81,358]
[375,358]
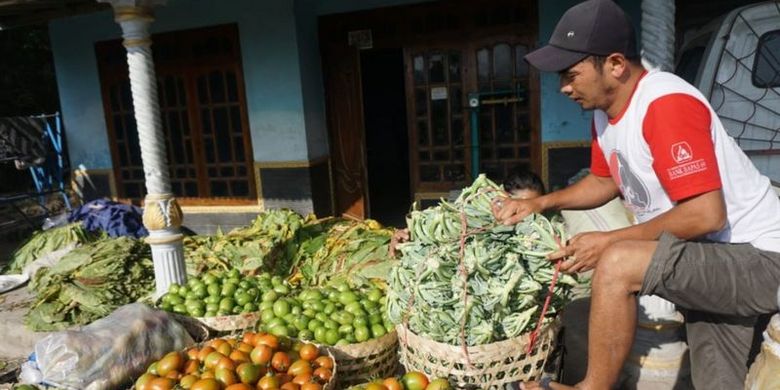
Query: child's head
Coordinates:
[523,184]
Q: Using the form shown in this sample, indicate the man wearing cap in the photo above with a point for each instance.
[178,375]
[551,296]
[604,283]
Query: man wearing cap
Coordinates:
[708,231]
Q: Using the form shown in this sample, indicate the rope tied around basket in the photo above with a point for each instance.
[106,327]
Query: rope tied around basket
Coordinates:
[535,334]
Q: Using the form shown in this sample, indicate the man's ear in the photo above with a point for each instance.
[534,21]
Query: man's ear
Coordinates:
[616,65]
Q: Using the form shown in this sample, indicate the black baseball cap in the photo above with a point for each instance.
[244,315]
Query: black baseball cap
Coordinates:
[593,27]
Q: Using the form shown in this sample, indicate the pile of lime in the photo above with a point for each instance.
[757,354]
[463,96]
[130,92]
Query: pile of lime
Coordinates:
[334,315]
[220,293]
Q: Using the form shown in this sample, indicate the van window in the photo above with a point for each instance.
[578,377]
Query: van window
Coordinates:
[766,69]
[688,66]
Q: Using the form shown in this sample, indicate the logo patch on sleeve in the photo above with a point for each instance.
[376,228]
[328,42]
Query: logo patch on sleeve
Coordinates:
[683,156]
[681,152]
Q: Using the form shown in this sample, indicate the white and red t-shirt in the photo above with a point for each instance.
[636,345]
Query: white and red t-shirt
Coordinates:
[669,145]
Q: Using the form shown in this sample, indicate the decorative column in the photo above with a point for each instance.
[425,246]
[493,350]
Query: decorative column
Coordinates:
[658,34]
[162,214]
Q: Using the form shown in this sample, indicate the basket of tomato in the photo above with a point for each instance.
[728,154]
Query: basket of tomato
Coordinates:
[350,322]
[255,361]
[414,380]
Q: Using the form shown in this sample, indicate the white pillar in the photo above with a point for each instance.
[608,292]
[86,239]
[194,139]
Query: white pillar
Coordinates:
[658,34]
[162,214]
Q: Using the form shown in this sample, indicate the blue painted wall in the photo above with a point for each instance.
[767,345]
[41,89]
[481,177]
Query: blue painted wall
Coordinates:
[562,119]
[270,62]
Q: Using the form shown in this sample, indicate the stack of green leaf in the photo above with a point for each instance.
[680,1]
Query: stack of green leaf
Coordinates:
[90,282]
[333,249]
[269,243]
[44,242]
[503,269]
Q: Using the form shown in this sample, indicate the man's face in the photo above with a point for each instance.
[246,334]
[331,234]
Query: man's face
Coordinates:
[586,84]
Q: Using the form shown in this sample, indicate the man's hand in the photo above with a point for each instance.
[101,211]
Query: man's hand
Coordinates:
[399,236]
[583,251]
[509,211]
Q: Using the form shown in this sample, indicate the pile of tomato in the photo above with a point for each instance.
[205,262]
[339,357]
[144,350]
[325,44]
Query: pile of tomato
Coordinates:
[414,380]
[256,361]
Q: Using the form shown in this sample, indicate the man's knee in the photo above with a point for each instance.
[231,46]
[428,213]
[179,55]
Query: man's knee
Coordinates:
[623,264]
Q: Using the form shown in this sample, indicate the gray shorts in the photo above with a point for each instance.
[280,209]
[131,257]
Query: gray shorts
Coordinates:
[727,293]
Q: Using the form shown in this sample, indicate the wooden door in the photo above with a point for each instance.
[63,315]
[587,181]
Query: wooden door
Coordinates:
[437,116]
[509,133]
[346,129]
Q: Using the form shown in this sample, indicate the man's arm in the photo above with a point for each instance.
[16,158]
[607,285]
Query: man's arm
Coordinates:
[592,191]
[690,218]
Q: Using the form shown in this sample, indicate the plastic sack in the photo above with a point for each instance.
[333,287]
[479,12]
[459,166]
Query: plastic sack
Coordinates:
[763,374]
[109,352]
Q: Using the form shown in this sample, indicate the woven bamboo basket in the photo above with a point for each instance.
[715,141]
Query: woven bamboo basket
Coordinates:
[238,322]
[358,363]
[491,365]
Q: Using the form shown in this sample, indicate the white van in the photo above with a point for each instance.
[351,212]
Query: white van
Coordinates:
[735,63]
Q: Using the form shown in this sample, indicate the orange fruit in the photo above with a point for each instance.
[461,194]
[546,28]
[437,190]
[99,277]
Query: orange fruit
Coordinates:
[249,373]
[324,361]
[280,362]
[206,384]
[226,376]
[309,352]
[239,356]
[323,373]
[262,354]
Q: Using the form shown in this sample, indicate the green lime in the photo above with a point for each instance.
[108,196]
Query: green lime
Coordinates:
[196,311]
[183,290]
[362,333]
[369,305]
[342,342]
[266,305]
[212,306]
[213,289]
[267,315]
[227,304]
[276,280]
[346,329]
[192,282]
[209,278]
[271,295]
[243,299]
[253,293]
[330,324]
[341,286]
[279,331]
[301,322]
[332,336]
[321,316]
[375,318]
[317,305]
[175,299]
[306,335]
[345,318]
[281,308]
[360,321]
[329,308]
[233,273]
[320,334]
[228,289]
[245,284]
[351,338]
[374,295]
[309,313]
[166,306]
[353,307]
[210,313]
[250,308]
[314,325]
[347,297]
[378,330]
[282,289]
[212,299]
[180,308]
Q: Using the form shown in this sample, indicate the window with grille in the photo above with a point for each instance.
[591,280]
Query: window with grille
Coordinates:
[766,71]
[202,110]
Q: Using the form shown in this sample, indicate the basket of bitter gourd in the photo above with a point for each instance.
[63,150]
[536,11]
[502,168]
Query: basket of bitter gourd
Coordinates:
[475,300]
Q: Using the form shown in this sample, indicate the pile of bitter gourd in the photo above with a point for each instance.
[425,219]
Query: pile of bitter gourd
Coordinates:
[486,285]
